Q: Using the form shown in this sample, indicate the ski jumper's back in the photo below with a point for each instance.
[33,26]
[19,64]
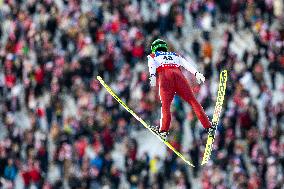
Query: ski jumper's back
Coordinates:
[163,60]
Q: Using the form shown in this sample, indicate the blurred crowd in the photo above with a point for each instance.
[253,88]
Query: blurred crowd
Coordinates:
[59,128]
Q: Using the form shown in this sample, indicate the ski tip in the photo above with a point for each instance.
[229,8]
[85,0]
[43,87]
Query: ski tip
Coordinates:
[99,77]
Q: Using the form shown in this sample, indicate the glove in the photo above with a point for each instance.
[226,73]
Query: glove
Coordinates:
[199,77]
[153,80]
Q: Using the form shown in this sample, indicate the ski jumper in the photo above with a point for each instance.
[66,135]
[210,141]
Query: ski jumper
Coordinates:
[166,67]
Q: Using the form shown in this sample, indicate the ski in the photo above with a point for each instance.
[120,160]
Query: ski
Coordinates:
[216,115]
[141,120]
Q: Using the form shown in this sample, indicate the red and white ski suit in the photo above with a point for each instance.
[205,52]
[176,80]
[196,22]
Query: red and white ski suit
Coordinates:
[166,67]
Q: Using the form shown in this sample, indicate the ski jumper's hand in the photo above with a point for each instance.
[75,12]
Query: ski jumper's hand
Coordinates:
[199,77]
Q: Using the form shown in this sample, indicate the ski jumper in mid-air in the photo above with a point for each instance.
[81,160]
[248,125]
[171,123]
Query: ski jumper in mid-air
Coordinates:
[164,68]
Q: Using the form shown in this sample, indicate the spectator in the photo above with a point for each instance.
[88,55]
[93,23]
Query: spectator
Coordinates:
[10,170]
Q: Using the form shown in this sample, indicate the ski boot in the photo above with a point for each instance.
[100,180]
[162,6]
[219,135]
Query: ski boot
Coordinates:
[211,131]
[162,134]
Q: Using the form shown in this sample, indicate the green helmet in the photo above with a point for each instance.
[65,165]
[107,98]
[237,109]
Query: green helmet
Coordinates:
[157,44]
